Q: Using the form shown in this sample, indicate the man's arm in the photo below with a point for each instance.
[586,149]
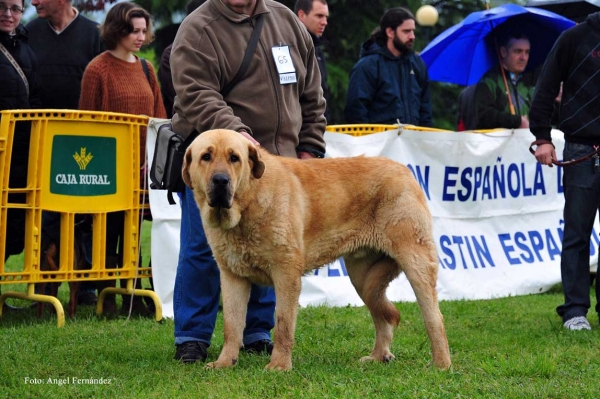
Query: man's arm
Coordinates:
[196,73]
[547,89]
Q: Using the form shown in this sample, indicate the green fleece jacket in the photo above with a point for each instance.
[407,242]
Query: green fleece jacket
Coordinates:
[207,53]
[491,102]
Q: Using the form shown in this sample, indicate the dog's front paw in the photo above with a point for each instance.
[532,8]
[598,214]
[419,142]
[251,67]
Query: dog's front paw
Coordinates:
[219,364]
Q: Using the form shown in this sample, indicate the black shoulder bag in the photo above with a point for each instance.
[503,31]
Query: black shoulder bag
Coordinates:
[170,147]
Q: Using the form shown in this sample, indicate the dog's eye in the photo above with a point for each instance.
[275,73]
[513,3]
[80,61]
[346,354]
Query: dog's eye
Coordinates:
[234,158]
[206,157]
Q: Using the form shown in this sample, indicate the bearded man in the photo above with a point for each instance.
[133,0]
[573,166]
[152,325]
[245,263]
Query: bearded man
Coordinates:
[389,84]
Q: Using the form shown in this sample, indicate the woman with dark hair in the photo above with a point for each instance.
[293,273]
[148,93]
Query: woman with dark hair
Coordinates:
[19,89]
[116,81]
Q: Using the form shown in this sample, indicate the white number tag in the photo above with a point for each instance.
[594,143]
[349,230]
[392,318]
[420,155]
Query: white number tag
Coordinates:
[284,64]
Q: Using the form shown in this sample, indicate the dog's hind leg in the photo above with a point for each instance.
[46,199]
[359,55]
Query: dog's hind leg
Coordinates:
[236,294]
[419,262]
[371,278]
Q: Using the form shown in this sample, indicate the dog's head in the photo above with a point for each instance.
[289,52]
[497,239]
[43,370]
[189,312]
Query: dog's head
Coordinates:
[217,167]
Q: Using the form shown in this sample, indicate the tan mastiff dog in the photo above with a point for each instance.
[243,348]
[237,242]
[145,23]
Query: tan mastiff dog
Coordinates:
[270,219]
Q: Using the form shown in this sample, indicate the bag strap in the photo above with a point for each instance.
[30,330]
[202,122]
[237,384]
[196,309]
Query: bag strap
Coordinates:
[17,67]
[247,56]
[145,68]
[188,140]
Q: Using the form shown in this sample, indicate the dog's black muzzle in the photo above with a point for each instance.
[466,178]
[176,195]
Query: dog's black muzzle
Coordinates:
[220,193]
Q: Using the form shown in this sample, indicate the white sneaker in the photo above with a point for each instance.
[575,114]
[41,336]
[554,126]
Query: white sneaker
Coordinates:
[577,323]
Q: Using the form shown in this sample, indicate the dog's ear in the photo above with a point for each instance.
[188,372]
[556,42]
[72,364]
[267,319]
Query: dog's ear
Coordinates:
[185,170]
[258,166]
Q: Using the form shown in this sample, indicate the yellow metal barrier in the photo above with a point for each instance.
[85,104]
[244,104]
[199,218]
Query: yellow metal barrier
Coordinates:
[80,162]
[363,130]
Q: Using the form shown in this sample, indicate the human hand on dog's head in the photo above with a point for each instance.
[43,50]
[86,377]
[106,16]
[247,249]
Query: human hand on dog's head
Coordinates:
[305,155]
[249,137]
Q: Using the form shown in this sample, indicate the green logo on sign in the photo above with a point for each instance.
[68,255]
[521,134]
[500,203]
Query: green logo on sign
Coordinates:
[83,166]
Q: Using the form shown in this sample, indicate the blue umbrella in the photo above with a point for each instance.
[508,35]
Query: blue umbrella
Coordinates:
[463,53]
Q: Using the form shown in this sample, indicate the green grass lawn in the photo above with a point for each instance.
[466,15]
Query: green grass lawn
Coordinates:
[504,348]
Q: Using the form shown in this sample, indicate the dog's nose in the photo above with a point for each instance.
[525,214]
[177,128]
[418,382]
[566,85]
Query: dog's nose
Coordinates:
[220,179]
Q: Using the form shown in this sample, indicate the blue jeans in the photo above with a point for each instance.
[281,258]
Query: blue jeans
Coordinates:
[197,287]
[582,200]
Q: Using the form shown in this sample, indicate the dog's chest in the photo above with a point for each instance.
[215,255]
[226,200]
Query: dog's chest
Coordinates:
[242,259]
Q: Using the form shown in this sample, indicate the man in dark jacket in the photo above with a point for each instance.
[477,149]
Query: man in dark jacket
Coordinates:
[574,61]
[64,42]
[492,106]
[390,83]
[313,14]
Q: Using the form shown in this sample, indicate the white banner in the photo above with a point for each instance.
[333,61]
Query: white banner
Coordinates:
[497,216]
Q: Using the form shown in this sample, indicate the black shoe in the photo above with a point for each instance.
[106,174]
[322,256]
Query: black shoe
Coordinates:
[191,352]
[259,347]
[87,298]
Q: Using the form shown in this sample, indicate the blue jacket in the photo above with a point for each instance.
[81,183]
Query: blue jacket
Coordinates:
[384,88]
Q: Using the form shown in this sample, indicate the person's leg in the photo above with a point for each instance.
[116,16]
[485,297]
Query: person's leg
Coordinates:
[17,178]
[114,230]
[14,238]
[581,205]
[197,284]
[15,231]
[50,235]
[87,289]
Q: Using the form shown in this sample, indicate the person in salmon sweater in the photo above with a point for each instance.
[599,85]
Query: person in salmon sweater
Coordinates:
[116,81]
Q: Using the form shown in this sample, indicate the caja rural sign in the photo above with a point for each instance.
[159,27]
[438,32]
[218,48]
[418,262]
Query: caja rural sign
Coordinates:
[83,166]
